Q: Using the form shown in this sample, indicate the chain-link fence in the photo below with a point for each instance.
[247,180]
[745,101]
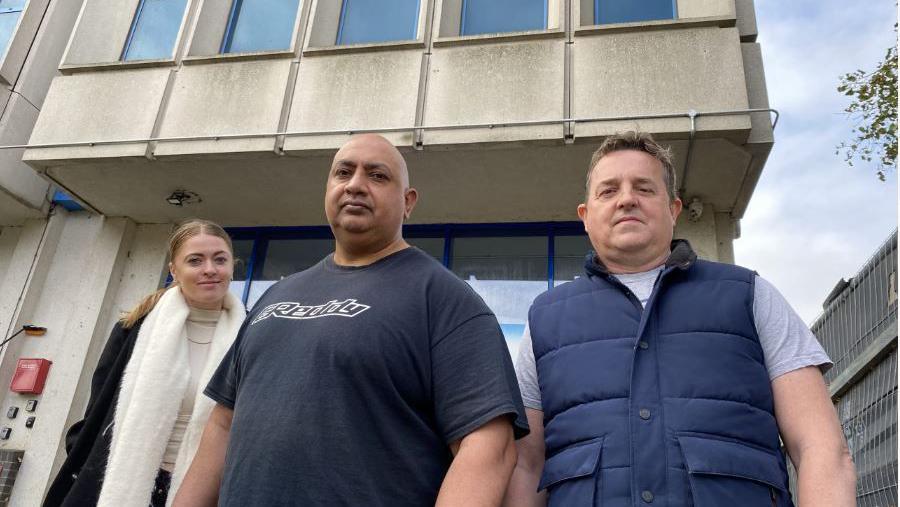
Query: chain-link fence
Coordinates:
[858,329]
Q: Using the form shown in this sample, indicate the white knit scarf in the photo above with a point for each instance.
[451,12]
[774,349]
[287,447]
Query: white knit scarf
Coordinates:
[153,386]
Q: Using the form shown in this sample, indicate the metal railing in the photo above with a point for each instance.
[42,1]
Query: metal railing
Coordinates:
[864,310]
[691,115]
[868,415]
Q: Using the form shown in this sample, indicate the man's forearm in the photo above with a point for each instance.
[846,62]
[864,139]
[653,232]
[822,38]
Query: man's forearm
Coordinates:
[825,479]
[201,483]
[522,491]
[812,435]
[481,468]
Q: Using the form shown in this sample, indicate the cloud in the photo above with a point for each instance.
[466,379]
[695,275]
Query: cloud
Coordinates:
[813,219]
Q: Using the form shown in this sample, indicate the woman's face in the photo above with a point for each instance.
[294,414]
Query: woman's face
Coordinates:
[203,266]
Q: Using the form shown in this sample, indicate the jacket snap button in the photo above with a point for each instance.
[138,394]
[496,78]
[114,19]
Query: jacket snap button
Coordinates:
[642,344]
[644,413]
[646,496]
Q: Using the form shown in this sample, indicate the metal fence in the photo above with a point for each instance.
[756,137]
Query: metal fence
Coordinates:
[868,413]
[858,329]
[860,310]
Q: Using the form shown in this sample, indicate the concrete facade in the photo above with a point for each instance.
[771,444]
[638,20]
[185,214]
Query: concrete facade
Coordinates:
[496,128]
[26,70]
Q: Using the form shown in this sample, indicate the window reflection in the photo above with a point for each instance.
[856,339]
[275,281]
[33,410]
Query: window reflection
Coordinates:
[568,258]
[365,21]
[627,11]
[508,273]
[499,16]
[155,30]
[432,246]
[262,25]
[285,257]
[242,251]
[10,10]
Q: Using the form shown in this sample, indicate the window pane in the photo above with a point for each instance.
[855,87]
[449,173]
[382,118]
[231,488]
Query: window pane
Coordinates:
[285,257]
[155,30]
[626,11]
[497,16]
[386,20]
[508,273]
[568,257]
[11,5]
[261,25]
[242,250]
[8,22]
[432,246]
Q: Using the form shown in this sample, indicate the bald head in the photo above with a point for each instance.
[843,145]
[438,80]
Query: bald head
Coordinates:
[378,150]
[367,198]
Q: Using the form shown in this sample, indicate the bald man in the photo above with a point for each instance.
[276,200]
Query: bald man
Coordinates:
[376,377]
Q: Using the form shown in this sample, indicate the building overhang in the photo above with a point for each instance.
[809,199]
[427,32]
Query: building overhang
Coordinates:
[520,176]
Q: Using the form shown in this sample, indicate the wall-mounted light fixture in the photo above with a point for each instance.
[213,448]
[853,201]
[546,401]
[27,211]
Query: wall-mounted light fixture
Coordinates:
[29,329]
[181,197]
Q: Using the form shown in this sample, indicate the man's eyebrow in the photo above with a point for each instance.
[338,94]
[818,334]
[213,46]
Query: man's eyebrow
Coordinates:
[366,165]
[376,165]
[609,181]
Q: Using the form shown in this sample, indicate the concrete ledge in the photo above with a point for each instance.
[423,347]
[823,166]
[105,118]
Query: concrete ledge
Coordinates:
[663,24]
[364,48]
[73,68]
[238,57]
[498,37]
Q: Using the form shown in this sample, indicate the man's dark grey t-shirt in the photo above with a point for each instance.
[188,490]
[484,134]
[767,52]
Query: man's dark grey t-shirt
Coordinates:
[348,384]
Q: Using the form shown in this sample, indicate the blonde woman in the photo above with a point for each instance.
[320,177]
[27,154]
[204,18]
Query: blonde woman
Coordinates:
[147,411]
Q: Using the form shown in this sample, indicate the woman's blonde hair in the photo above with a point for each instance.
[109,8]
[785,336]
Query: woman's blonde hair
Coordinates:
[185,231]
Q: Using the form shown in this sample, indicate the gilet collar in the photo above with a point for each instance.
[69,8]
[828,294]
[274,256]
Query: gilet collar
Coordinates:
[682,257]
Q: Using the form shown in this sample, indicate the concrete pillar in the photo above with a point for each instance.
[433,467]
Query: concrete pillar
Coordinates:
[725,235]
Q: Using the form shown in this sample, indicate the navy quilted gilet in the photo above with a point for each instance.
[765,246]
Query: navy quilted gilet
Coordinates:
[670,405]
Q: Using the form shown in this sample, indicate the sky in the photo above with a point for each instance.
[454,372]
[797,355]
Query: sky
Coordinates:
[813,219]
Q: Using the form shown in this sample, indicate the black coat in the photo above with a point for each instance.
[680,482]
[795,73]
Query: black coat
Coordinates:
[87,441]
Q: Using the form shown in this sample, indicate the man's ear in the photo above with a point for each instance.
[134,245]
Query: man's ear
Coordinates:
[582,211]
[410,199]
[675,208]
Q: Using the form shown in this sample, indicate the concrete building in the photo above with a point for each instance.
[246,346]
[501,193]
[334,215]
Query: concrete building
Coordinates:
[231,110]
[858,328]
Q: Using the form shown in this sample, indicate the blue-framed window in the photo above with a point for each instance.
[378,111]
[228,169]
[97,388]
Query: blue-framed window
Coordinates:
[507,264]
[630,11]
[154,30]
[499,16]
[10,11]
[66,201]
[367,21]
[260,25]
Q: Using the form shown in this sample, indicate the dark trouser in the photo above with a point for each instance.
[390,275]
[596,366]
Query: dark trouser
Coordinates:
[160,489]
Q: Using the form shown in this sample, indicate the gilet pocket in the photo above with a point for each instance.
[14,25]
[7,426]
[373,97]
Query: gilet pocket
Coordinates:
[724,472]
[571,476]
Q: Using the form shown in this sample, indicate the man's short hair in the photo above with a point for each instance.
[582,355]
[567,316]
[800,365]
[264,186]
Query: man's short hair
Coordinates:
[639,141]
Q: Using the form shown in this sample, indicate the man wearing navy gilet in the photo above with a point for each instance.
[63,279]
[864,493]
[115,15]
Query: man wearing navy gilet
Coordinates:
[659,379]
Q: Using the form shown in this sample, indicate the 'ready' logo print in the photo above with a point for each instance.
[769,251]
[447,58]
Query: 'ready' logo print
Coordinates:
[292,310]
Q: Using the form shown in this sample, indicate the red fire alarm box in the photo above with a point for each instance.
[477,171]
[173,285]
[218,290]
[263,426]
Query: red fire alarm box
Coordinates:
[30,376]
